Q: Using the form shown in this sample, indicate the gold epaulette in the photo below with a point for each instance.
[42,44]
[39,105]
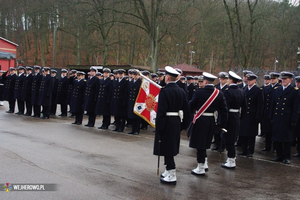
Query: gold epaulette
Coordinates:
[85,80]
[226,89]
[275,87]
[260,88]
[296,88]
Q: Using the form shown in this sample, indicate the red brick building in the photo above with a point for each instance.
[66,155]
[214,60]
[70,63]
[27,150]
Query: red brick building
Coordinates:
[8,51]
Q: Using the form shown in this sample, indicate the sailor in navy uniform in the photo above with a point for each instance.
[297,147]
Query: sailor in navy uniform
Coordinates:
[18,90]
[120,100]
[190,87]
[253,116]
[77,100]
[201,136]
[236,104]
[62,93]
[26,91]
[45,93]
[2,82]
[222,86]
[161,78]
[154,77]
[91,94]
[104,99]
[72,80]
[297,78]
[54,92]
[284,113]
[172,102]
[36,83]
[10,81]
[245,81]
[266,125]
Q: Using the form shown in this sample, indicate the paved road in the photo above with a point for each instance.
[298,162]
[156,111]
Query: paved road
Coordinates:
[88,163]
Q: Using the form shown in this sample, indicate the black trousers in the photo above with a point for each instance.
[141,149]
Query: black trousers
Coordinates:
[46,111]
[268,140]
[64,109]
[218,141]
[135,124]
[120,122]
[12,105]
[248,144]
[283,149]
[201,155]
[28,107]
[53,108]
[92,118]
[106,121]
[230,150]
[36,110]
[169,162]
[298,144]
[144,124]
[21,106]
[78,117]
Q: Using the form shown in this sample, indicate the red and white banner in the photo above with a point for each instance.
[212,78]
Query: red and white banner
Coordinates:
[146,103]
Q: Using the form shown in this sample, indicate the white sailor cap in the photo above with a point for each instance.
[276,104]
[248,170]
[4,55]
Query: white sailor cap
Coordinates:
[171,71]
[233,75]
[208,76]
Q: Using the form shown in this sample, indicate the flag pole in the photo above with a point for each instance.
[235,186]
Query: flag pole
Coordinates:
[148,79]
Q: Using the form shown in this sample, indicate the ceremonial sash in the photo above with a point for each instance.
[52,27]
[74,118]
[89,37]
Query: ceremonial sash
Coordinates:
[206,105]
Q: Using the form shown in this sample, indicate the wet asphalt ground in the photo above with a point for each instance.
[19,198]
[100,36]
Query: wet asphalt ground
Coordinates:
[88,163]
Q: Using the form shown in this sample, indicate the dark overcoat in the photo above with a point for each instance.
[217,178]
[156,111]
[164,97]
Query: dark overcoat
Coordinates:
[26,89]
[54,90]
[167,128]
[45,92]
[91,94]
[253,115]
[77,100]
[9,86]
[182,85]
[285,106]
[235,99]
[205,125]
[72,80]
[2,88]
[134,88]
[62,90]
[19,85]
[104,97]
[120,98]
[36,83]
[190,91]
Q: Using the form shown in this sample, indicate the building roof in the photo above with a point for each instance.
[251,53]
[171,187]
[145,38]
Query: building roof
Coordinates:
[187,68]
[1,38]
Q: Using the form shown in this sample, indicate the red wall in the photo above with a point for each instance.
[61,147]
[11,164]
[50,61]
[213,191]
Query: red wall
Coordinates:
[10,48]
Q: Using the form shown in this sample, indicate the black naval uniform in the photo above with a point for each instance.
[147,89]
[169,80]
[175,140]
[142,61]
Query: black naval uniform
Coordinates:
[9,90]
[182,85]
[18,89]
[220,145]
[190,91]
[135,120]
[77,100]
[249,123]
[54,95]
[167,128]
[204,127]
[284,112]
[26,93]
[36,83]
[45,94]
[62,95]
[90,101]
[119,103]
[235,98]
[72,80]
[2,88]
[103,102]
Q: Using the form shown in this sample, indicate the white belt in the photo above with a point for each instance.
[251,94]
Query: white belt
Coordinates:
[179,113]
[234,110]
[208,114]
[1,84]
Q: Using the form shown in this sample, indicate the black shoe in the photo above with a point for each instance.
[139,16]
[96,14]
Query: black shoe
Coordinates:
[135,133]
[78,123]
[74,123]
[249,155]
[265,149]
[242,154]
[131,132]
[286,161]
[116,129]
[62,115]
[296,155]
[277,159]
[87,125]
[19,113]
[104,127]
[91,125]
[27,114]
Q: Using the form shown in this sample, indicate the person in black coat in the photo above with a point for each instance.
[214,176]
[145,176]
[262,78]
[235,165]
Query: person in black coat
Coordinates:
[104,99]
[266,125]
[54,92]
[181,83]
[10,79]
[91,94]
[161,78]
[245,81]
[168,123]
[190,87]
[45,93]
[236,104]
[284,113]
[120,100]
[297,78]
[62,93]
[77,100]
[249,123]
[134,87]
[18,90]
[26,91]
[72,80]
[201,136]
[222,86]
[2,82]
[36,83]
